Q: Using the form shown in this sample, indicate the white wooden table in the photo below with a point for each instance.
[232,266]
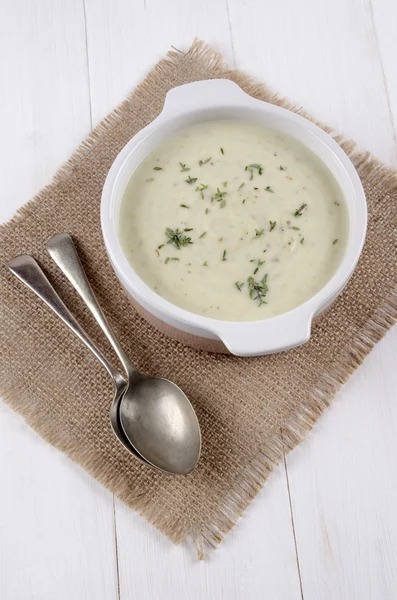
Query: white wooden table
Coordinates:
[325,525]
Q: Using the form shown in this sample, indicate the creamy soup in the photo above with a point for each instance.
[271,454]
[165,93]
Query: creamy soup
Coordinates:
[233,221]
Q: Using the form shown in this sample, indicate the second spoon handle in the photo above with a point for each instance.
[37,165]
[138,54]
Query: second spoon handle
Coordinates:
[63,252]
[30,273]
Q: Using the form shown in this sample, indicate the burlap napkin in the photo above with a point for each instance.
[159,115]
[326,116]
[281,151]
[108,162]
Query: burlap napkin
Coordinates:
[251,410]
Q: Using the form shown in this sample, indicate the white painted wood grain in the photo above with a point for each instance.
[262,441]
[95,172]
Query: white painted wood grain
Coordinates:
[324,56]
[344,488]
[57,536]
[126,39]
[386,40]
[56,523]
[256,560]
[44,93]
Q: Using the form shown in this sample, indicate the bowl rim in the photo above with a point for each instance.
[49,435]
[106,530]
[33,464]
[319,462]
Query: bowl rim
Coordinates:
[243,338]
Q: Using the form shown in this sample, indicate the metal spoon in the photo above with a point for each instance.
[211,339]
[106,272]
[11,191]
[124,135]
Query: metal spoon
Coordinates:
[156,416]
[28,271]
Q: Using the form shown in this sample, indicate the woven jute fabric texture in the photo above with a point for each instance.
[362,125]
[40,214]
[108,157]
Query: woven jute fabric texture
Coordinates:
[251,411]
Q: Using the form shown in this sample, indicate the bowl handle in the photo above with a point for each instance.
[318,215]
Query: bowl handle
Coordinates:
[268,336]
[203,94]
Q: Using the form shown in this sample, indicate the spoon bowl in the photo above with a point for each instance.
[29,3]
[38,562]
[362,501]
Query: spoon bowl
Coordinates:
[159,420]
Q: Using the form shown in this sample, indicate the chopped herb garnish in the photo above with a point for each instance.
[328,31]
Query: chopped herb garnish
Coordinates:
[204,162]
[241,186]
[269,189]
[204,264]
[296,228]
[177,239]
[225,184]
[184,206]
[258,233]
[188,229]
[222,151]
[223,204]
[207,210]
[335,242]
[157,168]
[161,246]
[239,285]
[219,195]
[191,180]
[272,225]
[253,166]
[282,168]
[299,211]
[244,200]
[220,240]
[258,289]
[184,167]
[259,264]
[302,241]
[203,234]
[167,260]
[201,187]
[224,255]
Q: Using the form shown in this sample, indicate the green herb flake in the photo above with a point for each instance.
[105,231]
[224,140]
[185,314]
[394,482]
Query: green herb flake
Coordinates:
[223,204]
[188,229]
[269,189]
[295,228]
[253,166]
[272,225]
[219,195]
[184,167]
[205,264]
[224,255]
[241,186]
[299,211]
[335,242]
[177,239]
[244,200]
[191,180]
[222,151]
[204,162]
[207,210]
[167,260]
[258,233]
[225,184]
[239,285]
[161,246]
[203,235]
[157,168]
[302,241]
[184,206]
[258,289]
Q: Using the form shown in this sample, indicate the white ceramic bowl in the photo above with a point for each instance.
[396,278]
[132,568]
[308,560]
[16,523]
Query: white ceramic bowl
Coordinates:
[223,99]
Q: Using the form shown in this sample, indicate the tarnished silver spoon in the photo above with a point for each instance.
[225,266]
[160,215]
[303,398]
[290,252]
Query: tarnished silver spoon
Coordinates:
[156,416]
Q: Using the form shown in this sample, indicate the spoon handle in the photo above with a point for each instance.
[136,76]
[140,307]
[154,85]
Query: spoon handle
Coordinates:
[30,273]
[63,252]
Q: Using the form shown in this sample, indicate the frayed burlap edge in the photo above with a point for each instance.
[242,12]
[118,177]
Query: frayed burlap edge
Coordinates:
[301,422]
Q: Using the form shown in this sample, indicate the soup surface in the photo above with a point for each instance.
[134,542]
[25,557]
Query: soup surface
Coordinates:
[233,221]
